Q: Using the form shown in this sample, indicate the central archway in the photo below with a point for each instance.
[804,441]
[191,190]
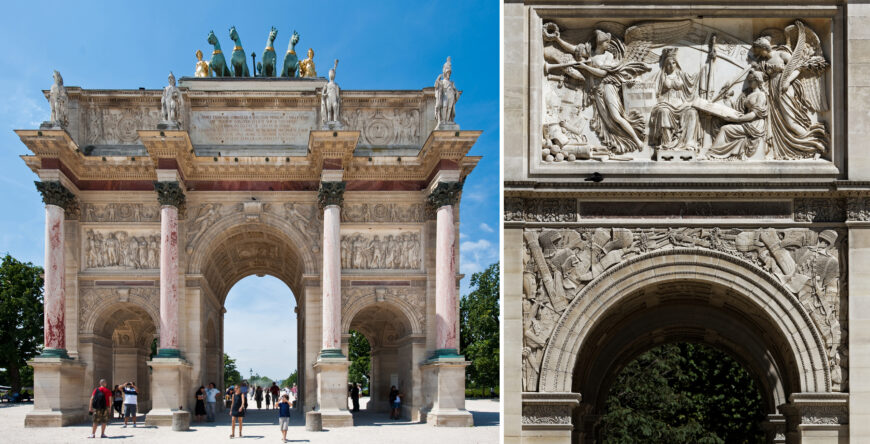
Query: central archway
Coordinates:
[683,295]
[237,247]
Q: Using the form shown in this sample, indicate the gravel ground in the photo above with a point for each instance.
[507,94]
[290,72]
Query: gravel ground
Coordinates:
[262,426]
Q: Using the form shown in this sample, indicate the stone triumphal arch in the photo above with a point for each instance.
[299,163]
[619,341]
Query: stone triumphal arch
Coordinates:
[157,203]
[685,172]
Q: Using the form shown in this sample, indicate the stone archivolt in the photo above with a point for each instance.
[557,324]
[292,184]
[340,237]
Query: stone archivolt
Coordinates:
[558,264]
[390,251]
[680,90]
[121,250]
[410,300]
[93,301]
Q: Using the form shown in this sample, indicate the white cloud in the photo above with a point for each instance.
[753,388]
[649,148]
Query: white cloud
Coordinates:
[476,255]
[487,228]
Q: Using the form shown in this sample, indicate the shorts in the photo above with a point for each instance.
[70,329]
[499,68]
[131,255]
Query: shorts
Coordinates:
[101,416]
[284,422]
[397,404]
[129,410]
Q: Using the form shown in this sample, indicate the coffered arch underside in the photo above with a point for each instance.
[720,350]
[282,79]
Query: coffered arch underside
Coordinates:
[781,312]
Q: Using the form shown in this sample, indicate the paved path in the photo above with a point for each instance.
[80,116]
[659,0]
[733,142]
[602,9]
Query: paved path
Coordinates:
[262,426]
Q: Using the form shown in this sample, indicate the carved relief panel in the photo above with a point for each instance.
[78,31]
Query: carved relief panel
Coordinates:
[384,249]
[385,126]
[117,126]
[119,212]
[558,264]
[133,249]
[684,90]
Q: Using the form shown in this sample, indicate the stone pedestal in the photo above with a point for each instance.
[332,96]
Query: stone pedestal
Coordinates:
[444,381]
[547,417]
[169,389]
[332,392]
[57,393]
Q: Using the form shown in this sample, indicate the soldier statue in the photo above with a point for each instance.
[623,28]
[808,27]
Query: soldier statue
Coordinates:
[446,96]
[330,101]
[169,104]
[57,99]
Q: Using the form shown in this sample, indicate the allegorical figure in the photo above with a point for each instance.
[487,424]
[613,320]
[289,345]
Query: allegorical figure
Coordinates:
[169,104]
[58,99]
[330,100]
[617,129]
[202,68]
[446,96]
[306,67]
[743,136]
[796,93]
[674,122]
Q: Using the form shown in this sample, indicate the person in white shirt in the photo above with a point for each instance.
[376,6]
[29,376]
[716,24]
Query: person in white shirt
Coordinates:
[210,400]
[130,400]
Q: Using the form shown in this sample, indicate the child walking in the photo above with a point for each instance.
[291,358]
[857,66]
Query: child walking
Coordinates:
[284,416]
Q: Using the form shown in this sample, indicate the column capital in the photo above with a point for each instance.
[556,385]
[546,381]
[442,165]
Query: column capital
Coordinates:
[53,193]
[331,193]
[169,193]
[445,193]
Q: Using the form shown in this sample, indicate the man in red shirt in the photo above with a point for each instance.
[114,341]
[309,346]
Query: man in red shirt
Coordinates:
[101,409]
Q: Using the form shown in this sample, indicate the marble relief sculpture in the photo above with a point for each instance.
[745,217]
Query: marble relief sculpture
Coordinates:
[558,264]
[58,100]
[121,250]
[446,96]
[375,252]
[680,90]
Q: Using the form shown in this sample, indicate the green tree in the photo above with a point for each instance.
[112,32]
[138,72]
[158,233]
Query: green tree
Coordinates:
[292,379]
[21,316]
[683,393]
[231,373]
[479,323]
[360,359]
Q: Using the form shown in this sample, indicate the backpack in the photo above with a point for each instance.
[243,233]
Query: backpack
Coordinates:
[99,401]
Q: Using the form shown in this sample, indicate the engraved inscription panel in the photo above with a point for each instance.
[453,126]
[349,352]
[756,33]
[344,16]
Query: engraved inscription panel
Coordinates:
[286,127]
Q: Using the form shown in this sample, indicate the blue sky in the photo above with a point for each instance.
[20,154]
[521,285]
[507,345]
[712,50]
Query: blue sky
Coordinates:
[383,45]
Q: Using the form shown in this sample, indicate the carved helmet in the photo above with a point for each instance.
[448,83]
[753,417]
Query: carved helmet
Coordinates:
[829,236]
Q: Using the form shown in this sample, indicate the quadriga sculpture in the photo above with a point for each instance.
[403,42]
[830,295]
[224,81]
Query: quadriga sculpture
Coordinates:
[269,58]
[218,63]
[238,61]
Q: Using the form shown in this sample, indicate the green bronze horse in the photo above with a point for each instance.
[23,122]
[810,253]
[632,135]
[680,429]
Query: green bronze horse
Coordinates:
[269,58]
[218,63]
[238,61]
[291,61]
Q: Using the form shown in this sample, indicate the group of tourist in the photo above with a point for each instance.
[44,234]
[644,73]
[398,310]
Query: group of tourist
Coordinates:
[103,400]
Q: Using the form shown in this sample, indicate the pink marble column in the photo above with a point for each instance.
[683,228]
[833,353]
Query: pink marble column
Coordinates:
[331,278]
[446,317]
[168,280]
[55,299]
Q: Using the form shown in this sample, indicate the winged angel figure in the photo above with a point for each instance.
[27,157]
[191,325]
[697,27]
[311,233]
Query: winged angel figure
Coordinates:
[796,93]
[614,64]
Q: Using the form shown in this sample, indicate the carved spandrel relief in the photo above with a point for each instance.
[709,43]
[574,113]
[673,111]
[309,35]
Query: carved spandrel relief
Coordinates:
[93,299]
[121,250]
[381,251]
[381,127]
[558,264]
[383,213]
[120,212]
[680,90]
[412,297]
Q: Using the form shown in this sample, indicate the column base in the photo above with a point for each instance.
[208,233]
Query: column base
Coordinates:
[331,374]
[450,354]
[57,392]
[331,353]
[168,353]
[444,383]
[169,389]
[54,353]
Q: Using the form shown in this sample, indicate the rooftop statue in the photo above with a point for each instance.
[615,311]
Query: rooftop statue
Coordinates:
[269,59]
[58,100]
[202,68]
[169,105]
[291,61]
[238,61]
[218,63]
[330,101]
[446,96]
[306,67]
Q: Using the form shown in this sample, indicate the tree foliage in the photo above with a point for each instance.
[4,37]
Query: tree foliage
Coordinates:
[292,379]
[360,356]
[231,373]
[479,323]
[684,393]
[21,316]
